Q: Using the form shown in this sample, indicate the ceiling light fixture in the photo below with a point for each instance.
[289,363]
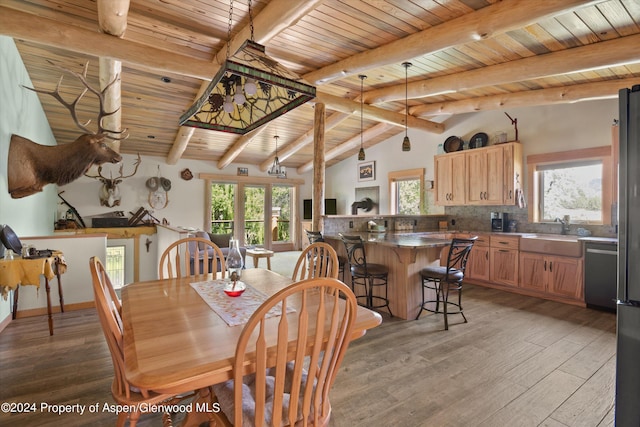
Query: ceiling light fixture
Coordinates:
[406,144]
[361,152]
[249,90]
[276,169]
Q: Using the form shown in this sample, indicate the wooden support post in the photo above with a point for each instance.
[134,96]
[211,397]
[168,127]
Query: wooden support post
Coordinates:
[318,166]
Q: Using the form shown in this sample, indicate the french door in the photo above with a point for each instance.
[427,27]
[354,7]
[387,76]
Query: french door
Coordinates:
[256,213]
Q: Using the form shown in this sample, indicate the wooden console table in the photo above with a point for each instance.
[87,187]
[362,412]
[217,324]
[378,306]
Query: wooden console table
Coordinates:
[19,271]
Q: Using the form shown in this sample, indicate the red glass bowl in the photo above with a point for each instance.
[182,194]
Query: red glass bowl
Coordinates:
[236,291]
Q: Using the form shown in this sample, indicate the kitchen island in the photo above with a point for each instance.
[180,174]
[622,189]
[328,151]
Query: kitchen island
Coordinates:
[405,254]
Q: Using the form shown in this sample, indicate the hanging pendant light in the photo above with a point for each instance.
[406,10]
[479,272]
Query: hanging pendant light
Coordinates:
[361,152]
[249,90]
[406,144]
[276,169]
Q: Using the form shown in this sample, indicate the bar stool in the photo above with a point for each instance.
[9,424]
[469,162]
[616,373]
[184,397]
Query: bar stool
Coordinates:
[316,236]
[443,279]
[366,274]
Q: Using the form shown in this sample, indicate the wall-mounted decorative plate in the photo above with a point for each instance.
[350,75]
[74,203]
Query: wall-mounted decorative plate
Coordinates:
[453,143]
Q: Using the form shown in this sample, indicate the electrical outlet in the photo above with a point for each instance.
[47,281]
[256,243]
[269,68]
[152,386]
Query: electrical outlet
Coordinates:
[350,224]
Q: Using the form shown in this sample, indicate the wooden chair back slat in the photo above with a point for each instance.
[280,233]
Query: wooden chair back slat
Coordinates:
[184,258]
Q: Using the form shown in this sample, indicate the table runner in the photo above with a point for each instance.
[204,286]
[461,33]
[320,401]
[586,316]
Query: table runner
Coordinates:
[233,310]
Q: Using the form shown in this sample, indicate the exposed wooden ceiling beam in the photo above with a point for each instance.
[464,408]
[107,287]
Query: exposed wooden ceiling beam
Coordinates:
[237,147]
[609,53]
[352,143]
[112,20]
[485,23]
[331,122]
[557,95]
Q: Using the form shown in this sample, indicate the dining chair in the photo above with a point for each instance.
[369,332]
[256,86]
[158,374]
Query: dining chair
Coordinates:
[275,383]
[366,274]
[316,236]
[444,279]
[191,256]
[110,315]
[316,260]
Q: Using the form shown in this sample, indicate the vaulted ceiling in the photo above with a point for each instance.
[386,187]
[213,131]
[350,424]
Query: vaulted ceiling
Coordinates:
[466,55]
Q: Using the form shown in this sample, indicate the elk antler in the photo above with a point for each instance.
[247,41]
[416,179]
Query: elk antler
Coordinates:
[120,171]
[71,106]
[136,164]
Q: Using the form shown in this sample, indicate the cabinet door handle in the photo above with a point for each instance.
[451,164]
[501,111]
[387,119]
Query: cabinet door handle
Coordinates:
[550,265]
[486,195]
[481,195]
[545,266]
[503,250]
[486,255]
[510,194]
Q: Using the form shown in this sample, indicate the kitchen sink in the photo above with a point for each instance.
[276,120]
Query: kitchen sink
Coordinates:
[552,244]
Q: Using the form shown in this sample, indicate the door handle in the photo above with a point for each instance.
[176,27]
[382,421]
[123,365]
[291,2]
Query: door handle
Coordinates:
[550,265]
[545,266]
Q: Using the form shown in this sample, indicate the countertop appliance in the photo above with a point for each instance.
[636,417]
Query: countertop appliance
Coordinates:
[499,221]
[601,275]
[627,410]
[496,221]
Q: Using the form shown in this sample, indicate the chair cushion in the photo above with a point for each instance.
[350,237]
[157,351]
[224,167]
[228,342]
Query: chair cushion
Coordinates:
[224,393]
[221,240]
[372,269]
[440,273]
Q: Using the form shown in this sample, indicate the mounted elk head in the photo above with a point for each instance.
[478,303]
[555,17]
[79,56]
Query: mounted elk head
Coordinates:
[110,193]
[31,166]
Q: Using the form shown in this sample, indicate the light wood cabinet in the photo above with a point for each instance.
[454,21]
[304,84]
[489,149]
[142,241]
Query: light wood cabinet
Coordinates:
[484,176]
[512,172]
[478,262]
[556,275]
[503,259]
[450,176]
[481,176]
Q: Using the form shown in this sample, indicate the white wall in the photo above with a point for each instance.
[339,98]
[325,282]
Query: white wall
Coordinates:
[541,129]
[76,282]
[21,114]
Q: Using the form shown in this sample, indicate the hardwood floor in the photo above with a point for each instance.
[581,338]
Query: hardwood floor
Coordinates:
[520,361]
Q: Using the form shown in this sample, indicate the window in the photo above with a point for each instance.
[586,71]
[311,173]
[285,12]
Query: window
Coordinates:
[406,189]
[115,265]
[576,183]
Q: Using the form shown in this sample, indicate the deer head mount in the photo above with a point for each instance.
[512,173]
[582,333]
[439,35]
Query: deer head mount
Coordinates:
[110,193]
[31,166]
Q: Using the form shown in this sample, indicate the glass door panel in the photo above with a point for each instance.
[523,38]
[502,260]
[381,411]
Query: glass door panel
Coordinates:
[254,215]
[222,202]
[281,213]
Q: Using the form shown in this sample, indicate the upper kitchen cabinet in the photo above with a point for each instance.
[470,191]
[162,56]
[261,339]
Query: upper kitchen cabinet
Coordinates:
[450,177]
[480,176]
[512,172]
[484,176]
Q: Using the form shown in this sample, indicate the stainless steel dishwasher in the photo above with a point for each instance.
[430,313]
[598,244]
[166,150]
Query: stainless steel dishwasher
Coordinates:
[601,275]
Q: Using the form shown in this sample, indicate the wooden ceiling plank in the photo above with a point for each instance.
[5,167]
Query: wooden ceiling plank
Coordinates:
[558,95]
[494,19]
[602,54]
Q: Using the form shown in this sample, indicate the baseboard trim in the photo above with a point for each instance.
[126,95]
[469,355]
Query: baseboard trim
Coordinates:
[32,312]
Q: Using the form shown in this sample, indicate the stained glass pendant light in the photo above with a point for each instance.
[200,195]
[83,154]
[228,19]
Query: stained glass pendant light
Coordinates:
[406,144]
[276,169]
[249,90]
[361,155]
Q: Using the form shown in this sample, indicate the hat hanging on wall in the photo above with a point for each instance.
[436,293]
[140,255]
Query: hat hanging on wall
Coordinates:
[158,191]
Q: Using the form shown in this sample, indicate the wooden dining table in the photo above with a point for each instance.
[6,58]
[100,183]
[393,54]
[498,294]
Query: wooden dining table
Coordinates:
[174,342]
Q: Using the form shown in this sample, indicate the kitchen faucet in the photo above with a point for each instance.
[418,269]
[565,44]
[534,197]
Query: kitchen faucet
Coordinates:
[565,224]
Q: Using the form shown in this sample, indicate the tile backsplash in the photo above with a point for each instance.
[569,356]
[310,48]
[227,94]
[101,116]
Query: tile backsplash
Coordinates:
[478,218]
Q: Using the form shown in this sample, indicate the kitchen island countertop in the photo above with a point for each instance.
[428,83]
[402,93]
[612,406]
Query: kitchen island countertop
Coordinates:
[415,240]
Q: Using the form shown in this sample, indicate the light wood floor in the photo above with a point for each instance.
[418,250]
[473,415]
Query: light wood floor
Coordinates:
[520,361]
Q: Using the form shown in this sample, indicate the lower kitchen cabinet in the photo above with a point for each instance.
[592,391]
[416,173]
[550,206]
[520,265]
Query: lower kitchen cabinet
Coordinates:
[478,262]
[555,275]
[503,259]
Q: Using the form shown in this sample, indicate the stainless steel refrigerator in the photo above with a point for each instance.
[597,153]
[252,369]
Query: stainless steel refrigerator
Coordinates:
[628,320]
